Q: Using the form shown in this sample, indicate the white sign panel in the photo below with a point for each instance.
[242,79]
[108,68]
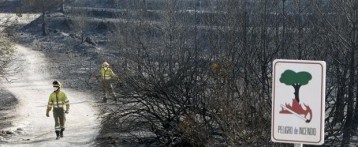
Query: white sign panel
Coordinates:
[298,101]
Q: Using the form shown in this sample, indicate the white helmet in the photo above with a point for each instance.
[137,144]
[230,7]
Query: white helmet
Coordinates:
[105,64]
[56,84]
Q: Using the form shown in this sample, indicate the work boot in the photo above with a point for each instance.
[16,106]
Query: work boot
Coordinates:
[104,100]
[115,98]
[57,135]
[61,133]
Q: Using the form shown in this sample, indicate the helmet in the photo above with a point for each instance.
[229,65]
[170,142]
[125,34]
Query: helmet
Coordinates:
[105,64]
[56,84]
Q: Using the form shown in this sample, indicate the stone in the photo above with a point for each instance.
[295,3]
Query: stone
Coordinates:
[10,132]
[90,41]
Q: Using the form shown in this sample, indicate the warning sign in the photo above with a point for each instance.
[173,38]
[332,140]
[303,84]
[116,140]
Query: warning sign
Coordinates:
[298,101]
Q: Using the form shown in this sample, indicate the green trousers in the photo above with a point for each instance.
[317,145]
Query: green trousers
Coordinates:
[60,118]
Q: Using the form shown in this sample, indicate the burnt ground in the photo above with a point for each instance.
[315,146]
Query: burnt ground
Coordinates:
[9,6]
[7,104]
[76,65]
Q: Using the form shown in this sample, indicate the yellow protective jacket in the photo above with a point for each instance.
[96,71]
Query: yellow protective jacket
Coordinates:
[107,74]
[58,100]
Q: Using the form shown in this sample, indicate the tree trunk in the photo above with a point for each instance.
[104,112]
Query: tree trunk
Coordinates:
[339,112]
[283,39]
[82,37]
[347,129]
[43,27]
[348,124]
[297,92]
[355,119]
[63,6]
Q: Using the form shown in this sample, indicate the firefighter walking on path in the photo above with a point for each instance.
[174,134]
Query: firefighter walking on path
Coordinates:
[107,76]
[57,101]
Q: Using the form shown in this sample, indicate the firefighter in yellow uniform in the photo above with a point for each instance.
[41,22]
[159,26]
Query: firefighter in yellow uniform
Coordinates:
[57,101]
[107,76]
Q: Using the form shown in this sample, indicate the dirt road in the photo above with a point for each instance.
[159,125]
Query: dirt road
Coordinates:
[32,86]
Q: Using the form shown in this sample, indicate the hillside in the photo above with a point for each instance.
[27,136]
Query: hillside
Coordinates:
[195,72]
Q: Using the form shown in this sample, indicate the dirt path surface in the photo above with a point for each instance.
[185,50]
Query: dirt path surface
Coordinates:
[32,86]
